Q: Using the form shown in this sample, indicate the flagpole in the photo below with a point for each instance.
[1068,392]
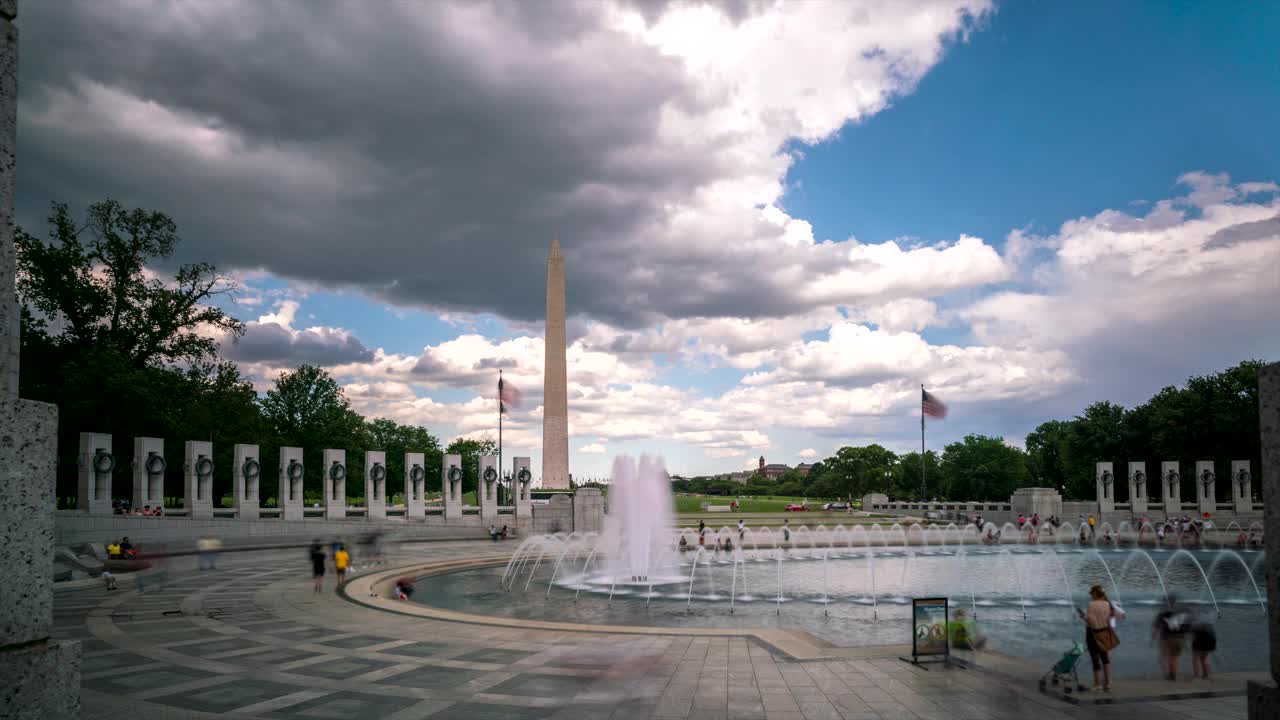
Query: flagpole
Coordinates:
[499,434]
[924,494]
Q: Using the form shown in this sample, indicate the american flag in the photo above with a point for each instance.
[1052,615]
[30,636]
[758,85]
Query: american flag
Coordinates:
[931,405]
[508,396]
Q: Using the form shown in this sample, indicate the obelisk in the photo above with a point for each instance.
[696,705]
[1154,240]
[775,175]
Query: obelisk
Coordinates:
[555,391]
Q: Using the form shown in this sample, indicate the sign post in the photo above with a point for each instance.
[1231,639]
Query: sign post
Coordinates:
[930,639]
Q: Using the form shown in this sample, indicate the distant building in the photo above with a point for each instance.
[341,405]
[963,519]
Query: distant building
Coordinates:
[803,469]
[772,471]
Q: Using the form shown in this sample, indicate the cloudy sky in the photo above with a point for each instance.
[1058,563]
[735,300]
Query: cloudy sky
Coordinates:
[779,219]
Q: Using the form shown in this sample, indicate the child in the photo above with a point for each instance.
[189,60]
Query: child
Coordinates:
[341,559]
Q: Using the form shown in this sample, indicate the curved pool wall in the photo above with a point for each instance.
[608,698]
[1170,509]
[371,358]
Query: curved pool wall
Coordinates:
[1024,597]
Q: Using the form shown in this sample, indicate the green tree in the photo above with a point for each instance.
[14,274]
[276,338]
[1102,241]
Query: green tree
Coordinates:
[117,349]
[982,468]
[90,280]
[856,471]
[907,482]
[1097,434]
[1045,447]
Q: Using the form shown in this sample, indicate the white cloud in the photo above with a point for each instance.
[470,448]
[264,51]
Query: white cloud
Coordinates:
[807,453]
[593,448]
[1197,265]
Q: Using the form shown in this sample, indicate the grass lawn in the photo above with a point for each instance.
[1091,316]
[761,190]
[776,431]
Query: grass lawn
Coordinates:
[746,505]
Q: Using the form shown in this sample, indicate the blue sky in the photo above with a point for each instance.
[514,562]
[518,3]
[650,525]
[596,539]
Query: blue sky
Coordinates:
[392,229]
[1051,112]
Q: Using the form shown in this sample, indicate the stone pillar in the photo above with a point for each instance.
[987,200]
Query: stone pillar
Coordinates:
[247,479]
[1171,487]
[521,481]
[487,491]
[335,484]
[588,510]
[1206,499]
[148,472]
[1106,484]
[1264,698]
[292,483]
[1138,492]
[375,485]
[1241,486]
[96,463]
[415,485]
[451,486]
[197,475]
[41,675]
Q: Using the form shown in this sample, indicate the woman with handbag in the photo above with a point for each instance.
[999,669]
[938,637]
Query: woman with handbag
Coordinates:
[1099,636]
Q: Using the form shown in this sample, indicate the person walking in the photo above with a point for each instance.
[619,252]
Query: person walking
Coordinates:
[1169,629]
[1093,530]
[317,566]
[742,529]
[1203,642]
[1099,636]
[341,559]
[208,547]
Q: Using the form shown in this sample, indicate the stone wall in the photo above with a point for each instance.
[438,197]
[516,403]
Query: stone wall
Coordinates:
[588,510]
[556,516]
[73,529]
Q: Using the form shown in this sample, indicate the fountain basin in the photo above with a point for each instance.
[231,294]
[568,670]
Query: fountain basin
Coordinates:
[1023,596]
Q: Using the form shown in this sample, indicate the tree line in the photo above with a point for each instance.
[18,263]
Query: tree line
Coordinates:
[121,351]
[1212,417]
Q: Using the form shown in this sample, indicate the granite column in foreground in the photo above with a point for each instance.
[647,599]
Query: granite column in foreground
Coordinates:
[41,675]
[1264,698]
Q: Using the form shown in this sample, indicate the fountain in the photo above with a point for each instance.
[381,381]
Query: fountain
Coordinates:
[864,576]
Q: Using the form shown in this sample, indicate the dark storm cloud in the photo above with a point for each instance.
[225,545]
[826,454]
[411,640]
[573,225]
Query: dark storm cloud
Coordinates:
[393,148]
[273,344]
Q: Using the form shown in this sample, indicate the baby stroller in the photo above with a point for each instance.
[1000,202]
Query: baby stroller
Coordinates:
[1064,671]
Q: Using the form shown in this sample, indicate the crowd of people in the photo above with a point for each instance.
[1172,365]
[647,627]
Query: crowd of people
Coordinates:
[125,507]
[1171,630]
[339,558]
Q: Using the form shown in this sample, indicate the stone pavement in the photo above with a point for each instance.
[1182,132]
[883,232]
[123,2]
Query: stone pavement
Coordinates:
[250,639]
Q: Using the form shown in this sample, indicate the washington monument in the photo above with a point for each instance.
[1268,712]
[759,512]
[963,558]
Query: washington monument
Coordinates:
[555,395]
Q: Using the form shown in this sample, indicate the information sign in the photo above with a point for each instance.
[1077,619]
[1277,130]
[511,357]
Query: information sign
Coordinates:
[929,627]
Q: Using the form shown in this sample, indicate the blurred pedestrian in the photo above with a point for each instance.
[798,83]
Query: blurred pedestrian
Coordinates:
[317,566]
[155,568]
[207,547]
[1168,630]
[109,580]
[1203,642]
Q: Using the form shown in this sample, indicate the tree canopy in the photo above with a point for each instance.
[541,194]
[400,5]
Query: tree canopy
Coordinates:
[120,349]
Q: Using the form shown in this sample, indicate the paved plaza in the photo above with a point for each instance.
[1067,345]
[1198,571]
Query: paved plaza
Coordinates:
[250,639]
